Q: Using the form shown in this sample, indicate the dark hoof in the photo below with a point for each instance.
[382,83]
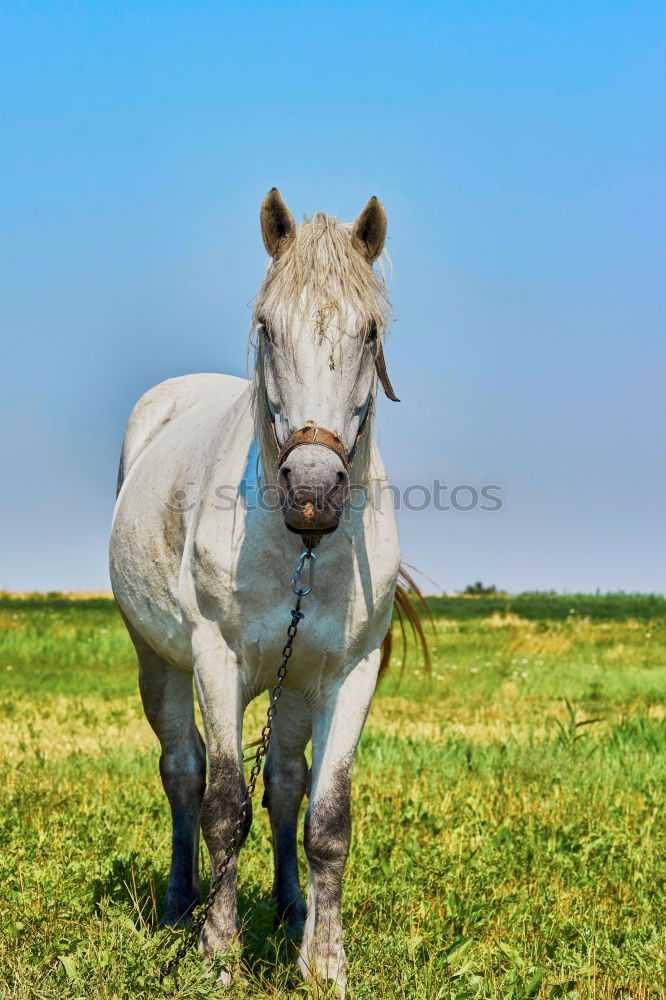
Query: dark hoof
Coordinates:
[292,918]
[178,913]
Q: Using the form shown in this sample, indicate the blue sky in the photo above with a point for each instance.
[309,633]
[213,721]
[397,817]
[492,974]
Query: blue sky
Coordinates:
[520,155]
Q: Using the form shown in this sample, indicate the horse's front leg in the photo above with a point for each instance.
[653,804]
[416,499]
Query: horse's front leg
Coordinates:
[218,682]
[337,725]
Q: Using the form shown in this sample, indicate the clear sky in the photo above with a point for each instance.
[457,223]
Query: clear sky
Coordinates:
[519,151]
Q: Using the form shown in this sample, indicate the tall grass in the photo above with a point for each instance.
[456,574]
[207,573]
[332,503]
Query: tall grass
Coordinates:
[509,837]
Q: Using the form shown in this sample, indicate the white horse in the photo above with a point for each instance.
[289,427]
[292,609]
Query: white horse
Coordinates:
[201,559]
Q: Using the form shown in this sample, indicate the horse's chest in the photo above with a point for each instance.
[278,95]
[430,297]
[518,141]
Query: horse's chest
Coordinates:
[242,580]
[329,641]
[341,625]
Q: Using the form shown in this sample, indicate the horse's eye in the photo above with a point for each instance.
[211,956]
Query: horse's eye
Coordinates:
[265,330]
[371,335]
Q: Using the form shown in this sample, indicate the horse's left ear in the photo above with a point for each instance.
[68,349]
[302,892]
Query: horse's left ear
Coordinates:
[369,231]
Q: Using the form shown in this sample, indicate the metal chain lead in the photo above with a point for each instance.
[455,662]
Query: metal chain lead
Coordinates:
[192,936]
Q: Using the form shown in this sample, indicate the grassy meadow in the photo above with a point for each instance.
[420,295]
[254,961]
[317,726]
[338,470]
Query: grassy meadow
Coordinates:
[509,837]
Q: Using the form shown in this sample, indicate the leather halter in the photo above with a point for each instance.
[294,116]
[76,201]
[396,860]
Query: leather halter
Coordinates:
[312,434]
[382,374]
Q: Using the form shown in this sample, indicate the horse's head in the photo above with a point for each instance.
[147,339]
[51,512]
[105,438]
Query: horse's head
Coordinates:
[319,316]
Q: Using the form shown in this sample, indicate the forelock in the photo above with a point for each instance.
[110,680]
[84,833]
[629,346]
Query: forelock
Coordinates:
[322,275]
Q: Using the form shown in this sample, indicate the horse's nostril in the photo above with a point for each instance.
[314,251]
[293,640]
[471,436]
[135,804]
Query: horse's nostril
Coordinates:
[342,476]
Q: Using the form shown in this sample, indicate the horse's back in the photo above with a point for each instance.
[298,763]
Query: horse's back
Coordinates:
[166,402]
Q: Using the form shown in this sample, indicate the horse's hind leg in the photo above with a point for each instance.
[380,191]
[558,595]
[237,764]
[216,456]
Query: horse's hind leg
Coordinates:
[168,702]
[285,779]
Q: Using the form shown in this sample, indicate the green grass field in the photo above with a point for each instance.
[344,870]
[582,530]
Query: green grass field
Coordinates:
[509,835]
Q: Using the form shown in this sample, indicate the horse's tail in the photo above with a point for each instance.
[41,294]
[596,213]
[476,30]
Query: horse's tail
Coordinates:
[406,608]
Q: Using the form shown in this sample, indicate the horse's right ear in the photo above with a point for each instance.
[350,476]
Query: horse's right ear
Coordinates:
[277,224]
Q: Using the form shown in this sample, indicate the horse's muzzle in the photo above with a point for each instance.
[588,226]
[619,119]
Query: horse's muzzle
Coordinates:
[314,486]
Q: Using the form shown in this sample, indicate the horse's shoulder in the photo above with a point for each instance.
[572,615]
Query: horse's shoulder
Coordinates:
[169,400]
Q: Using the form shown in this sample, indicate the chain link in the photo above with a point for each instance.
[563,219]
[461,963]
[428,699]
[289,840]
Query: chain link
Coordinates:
[199,920]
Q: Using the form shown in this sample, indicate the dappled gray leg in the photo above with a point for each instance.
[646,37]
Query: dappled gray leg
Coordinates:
[220,697]
[168,702]
[285,778]
[337,726]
